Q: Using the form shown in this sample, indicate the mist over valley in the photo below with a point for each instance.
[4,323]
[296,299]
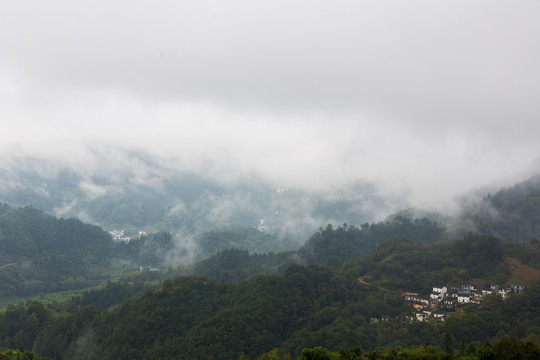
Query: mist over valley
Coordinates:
[269,180]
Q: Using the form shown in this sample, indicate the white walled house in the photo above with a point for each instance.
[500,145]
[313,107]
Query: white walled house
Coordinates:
[464,298]
[438,292]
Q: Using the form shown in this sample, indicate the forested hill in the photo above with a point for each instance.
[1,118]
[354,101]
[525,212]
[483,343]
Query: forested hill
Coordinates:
[40,253]
[511,212]
[358,304]
[329,246]
[336,245]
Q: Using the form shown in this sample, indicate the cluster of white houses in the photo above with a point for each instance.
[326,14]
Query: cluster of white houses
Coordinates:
[442,300]
[120,235]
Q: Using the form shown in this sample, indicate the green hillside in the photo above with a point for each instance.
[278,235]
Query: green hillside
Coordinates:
[512,212]
[337,245]
[341,290]
[358,304]
[39,253]
[21,354]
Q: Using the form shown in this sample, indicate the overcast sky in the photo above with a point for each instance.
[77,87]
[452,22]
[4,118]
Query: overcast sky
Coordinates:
[436,97]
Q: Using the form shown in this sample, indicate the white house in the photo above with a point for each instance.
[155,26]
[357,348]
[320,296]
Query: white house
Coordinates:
[464,298]
[438,315]
[438,292]
[517,287]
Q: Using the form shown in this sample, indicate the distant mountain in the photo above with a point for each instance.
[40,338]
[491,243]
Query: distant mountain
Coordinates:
[299,306]
[133,191]
[512,212]
[40,253]
[335,246]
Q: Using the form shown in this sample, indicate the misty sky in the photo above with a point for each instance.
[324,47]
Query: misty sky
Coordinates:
[434,97]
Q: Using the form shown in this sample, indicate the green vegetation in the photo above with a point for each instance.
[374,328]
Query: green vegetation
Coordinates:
[40,253]
[510,213]
[21,354]
[505,348]
[334,246]
[211,242]
[305,308]
[337,297]
[402,264]
[235,265]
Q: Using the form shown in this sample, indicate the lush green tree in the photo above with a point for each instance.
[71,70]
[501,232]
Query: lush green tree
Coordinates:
[354,353]
[318,353]
[448,341]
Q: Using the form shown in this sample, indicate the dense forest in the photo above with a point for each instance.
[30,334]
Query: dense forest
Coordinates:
[512,212]
[306,307]
[40,253]
[339,296]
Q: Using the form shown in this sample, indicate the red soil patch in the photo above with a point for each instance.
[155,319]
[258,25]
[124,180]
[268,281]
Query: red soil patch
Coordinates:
[524,272]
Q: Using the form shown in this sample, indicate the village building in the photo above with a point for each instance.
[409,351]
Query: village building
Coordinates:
[487,291]
[439,315]
[449,303]
[438,292]
[422,316]
[464,298]
[452,299]
[453,292]
[412,296]
[503,293]
[517,288]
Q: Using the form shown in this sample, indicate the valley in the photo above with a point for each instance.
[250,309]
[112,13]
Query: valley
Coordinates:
[236,290]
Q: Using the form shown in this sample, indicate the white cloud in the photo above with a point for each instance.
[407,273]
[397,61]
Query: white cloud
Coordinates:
[92,190]
[426,97]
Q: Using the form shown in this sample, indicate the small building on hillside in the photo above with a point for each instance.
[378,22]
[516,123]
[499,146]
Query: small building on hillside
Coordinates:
[464,298]
[486,292]
[503,293]
[439,288]
[449,302]
[438,292]
[422,316]
[439,315]
[412,296]
[517,288]
[453,292]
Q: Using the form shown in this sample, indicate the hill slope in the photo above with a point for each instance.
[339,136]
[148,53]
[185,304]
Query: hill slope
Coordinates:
[195,317]
[141,192]
[39,253]
[510,212]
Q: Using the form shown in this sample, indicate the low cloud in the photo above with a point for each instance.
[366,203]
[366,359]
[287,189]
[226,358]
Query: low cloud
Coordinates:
[92,190]
[427,100]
